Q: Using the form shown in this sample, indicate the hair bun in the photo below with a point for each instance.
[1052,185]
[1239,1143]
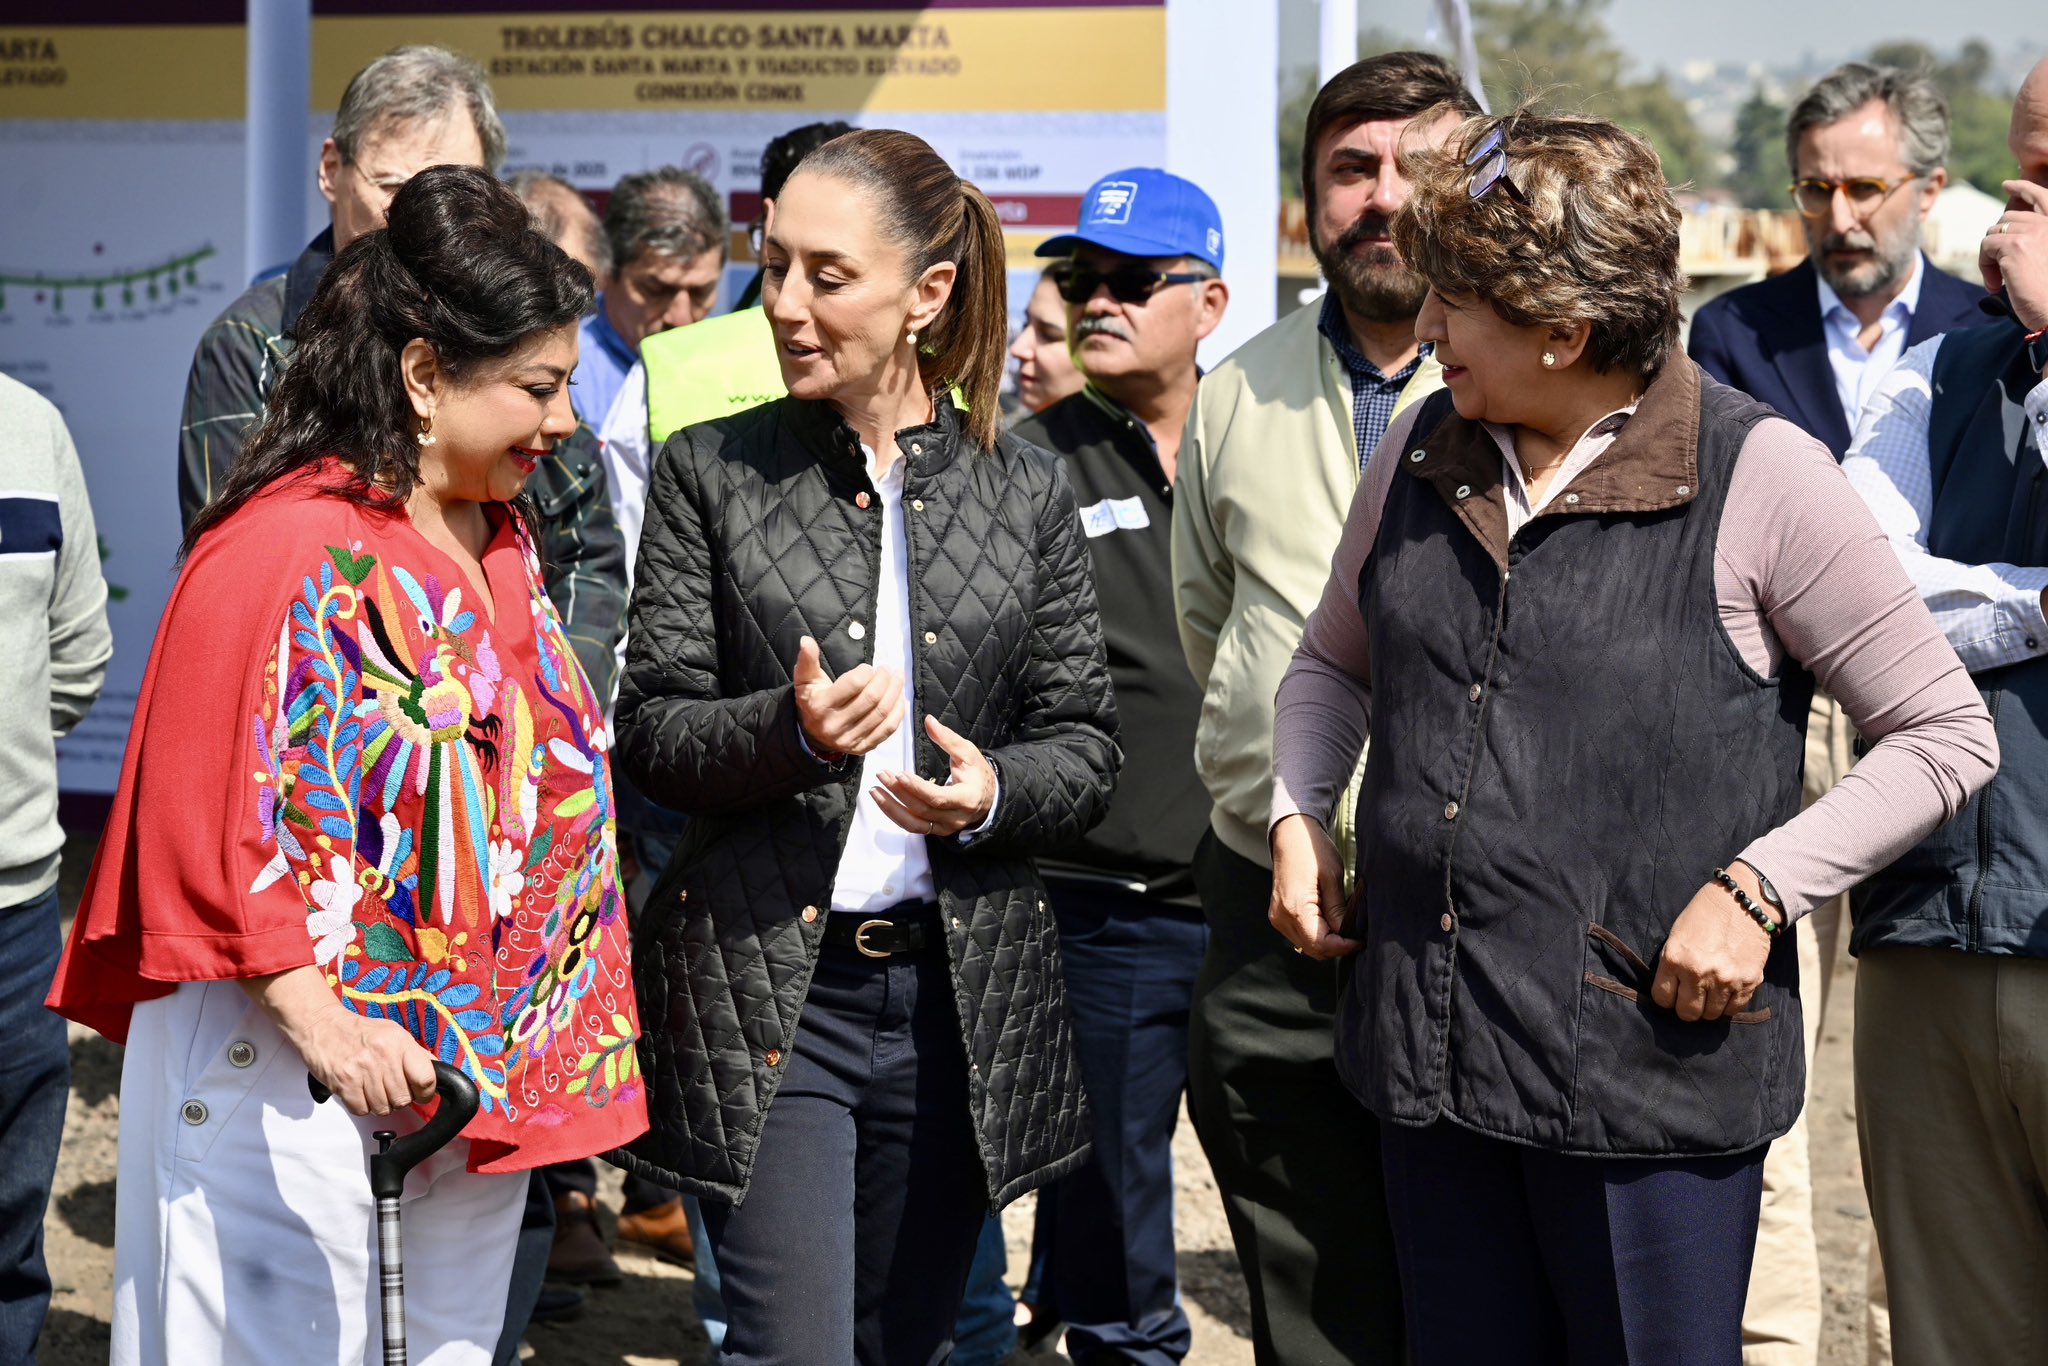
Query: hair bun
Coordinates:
[442,216]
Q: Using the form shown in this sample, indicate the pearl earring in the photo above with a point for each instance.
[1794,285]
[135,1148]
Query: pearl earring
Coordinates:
[426,435]
[1548,360]
[910,337]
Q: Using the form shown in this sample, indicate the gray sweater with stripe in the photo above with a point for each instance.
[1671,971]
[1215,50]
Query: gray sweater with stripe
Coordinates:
[54,640]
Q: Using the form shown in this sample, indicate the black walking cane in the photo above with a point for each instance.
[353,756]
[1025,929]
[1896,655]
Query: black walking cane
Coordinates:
[395,1157]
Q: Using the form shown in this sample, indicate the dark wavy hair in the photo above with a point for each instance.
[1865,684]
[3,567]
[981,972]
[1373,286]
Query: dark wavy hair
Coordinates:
[460,266]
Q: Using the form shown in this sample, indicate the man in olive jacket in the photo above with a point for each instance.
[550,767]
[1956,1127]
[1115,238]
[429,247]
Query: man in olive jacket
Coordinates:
[1272,455]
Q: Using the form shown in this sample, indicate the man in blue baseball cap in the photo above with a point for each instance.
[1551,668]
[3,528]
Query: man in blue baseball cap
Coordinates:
[1142,285]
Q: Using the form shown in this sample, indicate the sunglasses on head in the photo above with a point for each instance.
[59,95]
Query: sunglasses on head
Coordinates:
[1489,163]
[1132,284]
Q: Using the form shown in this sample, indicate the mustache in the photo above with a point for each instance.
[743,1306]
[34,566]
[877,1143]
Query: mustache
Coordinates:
[1848,241]
[1371,226]
[1108,327]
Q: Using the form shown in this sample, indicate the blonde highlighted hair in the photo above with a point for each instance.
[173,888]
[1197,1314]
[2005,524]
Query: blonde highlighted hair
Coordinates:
[1592,238]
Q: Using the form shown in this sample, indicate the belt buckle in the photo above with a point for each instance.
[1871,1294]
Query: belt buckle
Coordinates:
[860,938]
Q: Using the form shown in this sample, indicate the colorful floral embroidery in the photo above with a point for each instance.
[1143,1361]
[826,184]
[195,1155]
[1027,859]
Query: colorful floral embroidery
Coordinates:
[450,827]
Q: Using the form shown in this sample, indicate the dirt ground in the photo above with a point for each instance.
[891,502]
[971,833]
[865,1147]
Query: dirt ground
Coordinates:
[647,1320]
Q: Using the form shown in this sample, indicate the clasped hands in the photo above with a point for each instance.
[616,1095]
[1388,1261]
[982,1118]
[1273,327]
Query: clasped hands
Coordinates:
[1712,963]
[854,713]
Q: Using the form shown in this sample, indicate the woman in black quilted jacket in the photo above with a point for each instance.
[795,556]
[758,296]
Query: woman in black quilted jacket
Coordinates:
[864,656]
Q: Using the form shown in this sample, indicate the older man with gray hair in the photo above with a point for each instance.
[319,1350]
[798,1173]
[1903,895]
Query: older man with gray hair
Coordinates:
[669,236]
[1865,148]
[1952,939]
[412,108]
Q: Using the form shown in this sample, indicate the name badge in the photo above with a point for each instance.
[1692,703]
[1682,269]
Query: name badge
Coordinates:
[1114,514]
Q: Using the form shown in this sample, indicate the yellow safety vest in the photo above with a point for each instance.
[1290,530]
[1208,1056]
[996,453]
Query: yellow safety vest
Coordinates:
[707,370]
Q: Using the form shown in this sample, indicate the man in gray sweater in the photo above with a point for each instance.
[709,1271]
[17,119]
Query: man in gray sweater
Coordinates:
[54,647]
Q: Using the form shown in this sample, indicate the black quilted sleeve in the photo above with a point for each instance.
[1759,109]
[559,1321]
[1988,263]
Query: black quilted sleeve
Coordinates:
[682,743]
[1059,772]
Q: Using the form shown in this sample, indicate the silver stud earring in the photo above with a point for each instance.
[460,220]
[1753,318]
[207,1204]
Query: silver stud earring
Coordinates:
[426,435]
[1548,360]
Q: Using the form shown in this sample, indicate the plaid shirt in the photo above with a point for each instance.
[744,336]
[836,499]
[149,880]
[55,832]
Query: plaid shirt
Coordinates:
[1374,395]
[233,372]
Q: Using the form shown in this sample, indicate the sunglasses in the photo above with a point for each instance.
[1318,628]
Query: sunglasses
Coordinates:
[1816,197]
[1127,284]
[1489,163]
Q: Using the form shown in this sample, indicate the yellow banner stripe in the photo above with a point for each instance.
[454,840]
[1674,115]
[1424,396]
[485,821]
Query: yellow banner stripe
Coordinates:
[1089,60]
[122,71]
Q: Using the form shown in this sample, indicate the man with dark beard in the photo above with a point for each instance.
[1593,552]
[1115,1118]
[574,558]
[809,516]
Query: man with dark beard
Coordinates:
[1272,454]
[1865,147]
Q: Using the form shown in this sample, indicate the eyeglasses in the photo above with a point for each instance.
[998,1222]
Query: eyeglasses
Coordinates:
[1816,197]
[1132,284]
[1489,163]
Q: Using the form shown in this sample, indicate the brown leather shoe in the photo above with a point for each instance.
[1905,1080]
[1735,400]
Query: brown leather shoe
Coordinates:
[663,1230]
[579,1253]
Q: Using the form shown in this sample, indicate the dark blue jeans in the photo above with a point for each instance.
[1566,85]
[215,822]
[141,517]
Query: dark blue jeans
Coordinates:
[985,1333]
[868,1193]
[1105,1232]
[35,1083]
[1513,1254]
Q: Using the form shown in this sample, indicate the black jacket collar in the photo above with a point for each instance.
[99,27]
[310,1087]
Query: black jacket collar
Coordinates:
[928,447]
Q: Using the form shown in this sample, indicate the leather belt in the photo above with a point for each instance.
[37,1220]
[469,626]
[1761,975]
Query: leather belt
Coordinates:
[903,931]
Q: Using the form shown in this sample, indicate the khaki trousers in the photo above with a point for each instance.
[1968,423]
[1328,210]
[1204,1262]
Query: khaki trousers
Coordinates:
[1781,1322]
[1952,1113]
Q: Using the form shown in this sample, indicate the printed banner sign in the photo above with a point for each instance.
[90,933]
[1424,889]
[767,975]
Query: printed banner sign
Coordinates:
[122,240]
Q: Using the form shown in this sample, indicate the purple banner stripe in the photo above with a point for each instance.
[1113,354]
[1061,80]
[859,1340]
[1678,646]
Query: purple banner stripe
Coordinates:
[21,14]
[597,13]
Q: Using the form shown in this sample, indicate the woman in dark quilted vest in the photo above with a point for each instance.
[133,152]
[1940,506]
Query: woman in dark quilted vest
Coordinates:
[1580,604]
[864,658]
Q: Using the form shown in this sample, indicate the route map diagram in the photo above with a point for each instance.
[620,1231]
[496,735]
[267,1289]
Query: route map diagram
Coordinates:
[157,284]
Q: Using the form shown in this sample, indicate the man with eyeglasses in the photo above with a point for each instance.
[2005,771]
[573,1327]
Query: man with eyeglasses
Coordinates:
[1866,147]
[1275,446]
[1142,286]
[1952,940]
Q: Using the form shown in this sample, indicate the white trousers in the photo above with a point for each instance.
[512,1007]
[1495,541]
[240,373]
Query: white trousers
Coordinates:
[244,1228]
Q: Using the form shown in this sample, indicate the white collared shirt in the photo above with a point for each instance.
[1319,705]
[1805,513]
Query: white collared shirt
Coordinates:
[1991,613]
[1520,507]
[883,863]
[1857,371]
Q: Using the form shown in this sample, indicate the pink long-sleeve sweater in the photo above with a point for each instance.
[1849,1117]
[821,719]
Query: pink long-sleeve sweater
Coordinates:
[1801,569]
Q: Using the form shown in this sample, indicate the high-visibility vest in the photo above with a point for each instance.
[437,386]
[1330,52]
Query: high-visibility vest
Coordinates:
[709,369]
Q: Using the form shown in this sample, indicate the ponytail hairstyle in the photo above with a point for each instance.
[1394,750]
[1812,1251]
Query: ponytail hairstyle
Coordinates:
[460,266]
[934,216]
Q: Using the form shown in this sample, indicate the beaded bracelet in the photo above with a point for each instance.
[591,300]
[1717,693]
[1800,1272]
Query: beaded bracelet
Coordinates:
[1742,899]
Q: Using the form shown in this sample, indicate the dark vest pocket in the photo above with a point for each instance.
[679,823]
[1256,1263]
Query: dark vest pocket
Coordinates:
[1640,973]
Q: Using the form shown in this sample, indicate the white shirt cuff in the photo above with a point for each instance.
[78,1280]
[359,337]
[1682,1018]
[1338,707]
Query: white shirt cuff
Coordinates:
[995,805]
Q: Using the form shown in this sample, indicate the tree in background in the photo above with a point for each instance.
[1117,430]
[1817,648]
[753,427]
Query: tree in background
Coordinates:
[1979,113]
[1759,175]
[1560,52]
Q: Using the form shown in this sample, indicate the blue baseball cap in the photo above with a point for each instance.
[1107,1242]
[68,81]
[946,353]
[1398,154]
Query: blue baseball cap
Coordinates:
[1145,211]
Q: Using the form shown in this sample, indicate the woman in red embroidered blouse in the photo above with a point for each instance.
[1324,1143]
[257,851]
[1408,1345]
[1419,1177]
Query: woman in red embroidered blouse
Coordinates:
[365,822]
